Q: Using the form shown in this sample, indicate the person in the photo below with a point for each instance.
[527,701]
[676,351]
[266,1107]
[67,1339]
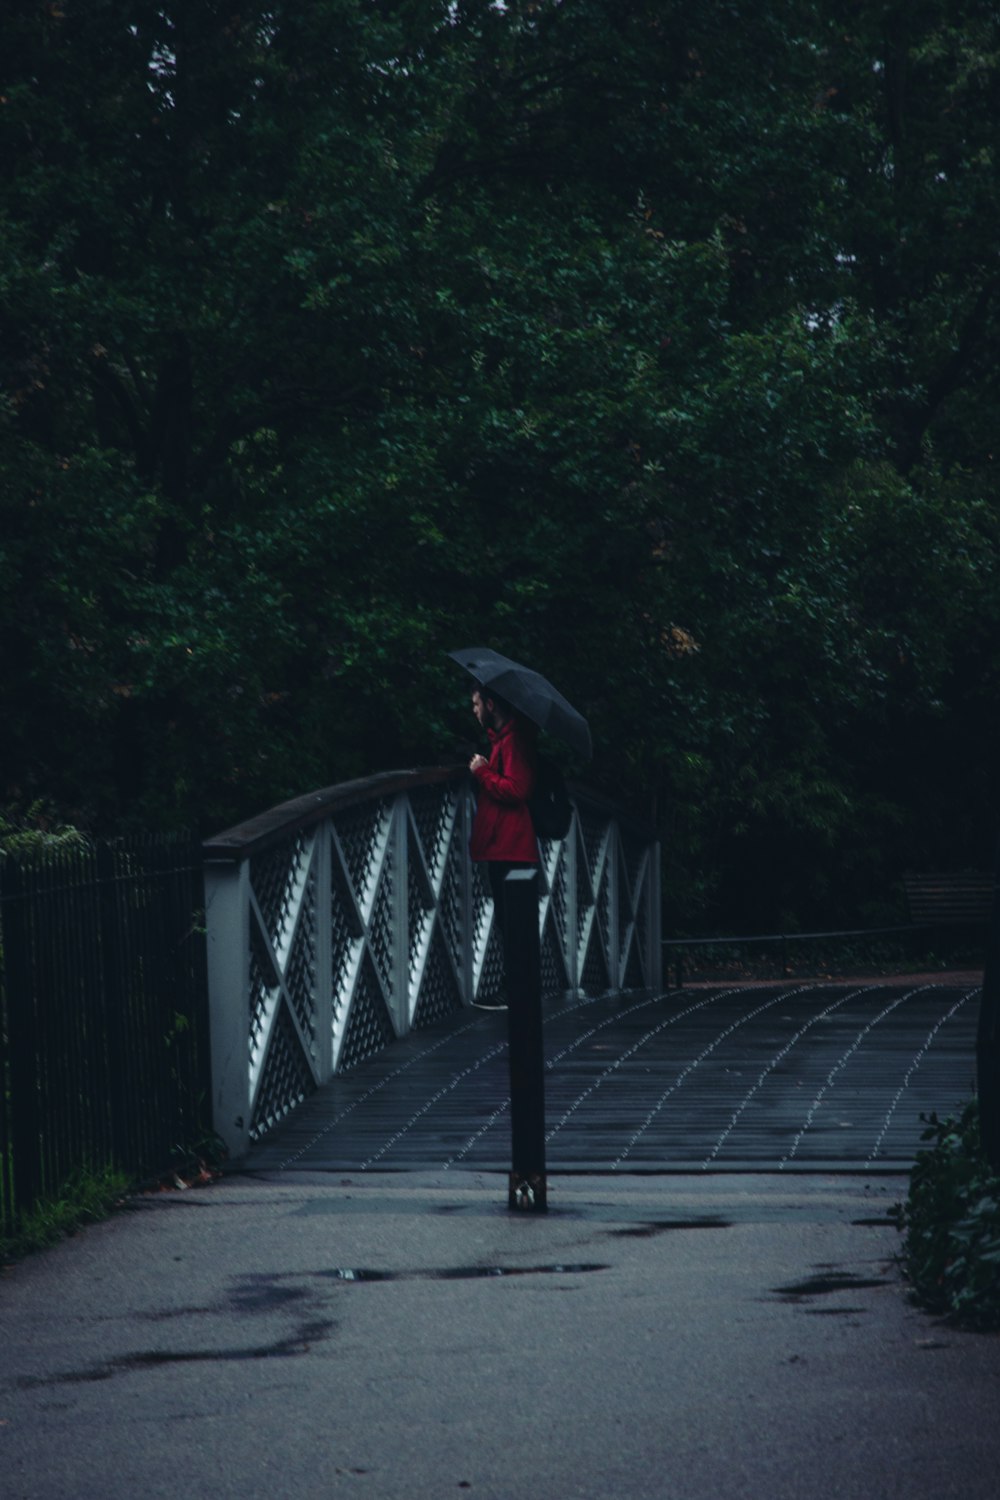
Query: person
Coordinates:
[503,838]
[503,835]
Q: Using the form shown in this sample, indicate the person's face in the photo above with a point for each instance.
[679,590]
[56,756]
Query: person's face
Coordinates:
[481,710]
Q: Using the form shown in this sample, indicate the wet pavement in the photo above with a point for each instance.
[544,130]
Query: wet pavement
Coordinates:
[401,1336]
[711,1309]
[782,1077]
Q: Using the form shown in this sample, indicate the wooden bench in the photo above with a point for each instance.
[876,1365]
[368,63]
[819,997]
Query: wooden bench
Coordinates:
[953,899]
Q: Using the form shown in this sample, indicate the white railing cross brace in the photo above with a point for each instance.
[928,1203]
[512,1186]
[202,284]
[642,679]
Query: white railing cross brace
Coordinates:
[348,917]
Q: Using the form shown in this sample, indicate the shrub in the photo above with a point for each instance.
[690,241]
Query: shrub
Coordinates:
[950,1224]
[38,830]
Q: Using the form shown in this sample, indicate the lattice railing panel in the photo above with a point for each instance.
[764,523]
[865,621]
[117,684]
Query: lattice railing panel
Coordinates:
[594,977]
[594,834]
[584,895]
[287,1077]
[490,982]
[559,908]
[451,907]
[635,978]
[300,969]
[604,908]
[274,877]
[433,816]
[362,833]
[381,932]
[369,1025]
[423,888]
[263,995]
[485,942]
[555,980]
[364,923]
[439,994]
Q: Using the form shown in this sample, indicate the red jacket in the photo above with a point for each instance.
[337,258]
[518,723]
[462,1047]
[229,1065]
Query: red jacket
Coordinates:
[502,828]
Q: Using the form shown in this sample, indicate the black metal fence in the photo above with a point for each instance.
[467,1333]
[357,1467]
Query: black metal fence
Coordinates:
[784,955]
[104,1047]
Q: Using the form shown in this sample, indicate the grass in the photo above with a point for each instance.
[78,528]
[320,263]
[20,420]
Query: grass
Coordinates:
[93,1194]
[86,1198]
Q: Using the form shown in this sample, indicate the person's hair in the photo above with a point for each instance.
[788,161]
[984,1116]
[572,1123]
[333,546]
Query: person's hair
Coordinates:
[488,693]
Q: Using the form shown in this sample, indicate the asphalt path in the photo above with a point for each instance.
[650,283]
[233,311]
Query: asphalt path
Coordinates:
[711,1309]
[402,1336]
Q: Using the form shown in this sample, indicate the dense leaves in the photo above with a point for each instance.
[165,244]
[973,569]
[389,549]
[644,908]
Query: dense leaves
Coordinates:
[950,1223]
[655,344]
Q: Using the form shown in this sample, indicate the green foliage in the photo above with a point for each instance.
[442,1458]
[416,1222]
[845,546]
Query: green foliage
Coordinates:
[655,344]
[87,1198]
[950,1224]
[37,830]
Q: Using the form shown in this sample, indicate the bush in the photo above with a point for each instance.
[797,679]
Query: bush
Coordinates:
[38,830]
[950,1224]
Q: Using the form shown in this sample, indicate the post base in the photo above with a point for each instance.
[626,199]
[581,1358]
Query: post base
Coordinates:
[527,1193]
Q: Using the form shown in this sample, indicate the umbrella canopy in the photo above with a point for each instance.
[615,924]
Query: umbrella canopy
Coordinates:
[529,692]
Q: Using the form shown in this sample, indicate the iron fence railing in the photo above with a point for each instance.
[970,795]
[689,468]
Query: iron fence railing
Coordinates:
[352,916]
[785,946]
[103,1013]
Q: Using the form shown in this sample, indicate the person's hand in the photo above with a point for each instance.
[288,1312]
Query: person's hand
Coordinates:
[477,761]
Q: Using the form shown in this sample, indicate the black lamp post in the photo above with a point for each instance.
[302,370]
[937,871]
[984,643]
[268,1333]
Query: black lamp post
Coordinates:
[522,958]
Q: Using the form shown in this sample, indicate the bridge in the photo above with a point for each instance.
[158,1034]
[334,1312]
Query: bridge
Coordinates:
[350,941]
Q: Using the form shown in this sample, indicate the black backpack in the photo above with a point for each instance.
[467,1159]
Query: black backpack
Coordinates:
[549,804]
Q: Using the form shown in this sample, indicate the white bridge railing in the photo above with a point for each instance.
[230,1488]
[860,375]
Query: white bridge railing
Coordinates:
[352,916]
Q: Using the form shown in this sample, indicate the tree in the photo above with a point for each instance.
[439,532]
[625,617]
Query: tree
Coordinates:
[654,344]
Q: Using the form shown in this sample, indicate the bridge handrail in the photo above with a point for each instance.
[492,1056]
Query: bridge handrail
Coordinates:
[269,827]
[342,919]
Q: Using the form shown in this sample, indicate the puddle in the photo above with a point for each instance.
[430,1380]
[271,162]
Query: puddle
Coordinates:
[459,1273]
[664,1226]
[833,1312]
[825,1286]
[263,1296]
[298,1343]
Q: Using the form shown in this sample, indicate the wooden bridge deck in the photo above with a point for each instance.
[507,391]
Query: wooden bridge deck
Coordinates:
[782,1077]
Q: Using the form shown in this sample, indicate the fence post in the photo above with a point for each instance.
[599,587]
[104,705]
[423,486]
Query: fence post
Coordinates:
[227,921]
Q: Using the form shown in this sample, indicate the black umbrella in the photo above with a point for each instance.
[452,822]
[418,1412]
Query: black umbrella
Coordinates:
[529,692]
